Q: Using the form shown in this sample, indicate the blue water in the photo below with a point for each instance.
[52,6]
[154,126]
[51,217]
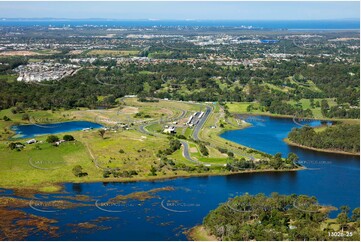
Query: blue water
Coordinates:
[32,130]
[266,24]
[333,179]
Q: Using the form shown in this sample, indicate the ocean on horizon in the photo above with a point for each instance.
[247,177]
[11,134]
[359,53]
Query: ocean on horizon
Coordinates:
[260,24]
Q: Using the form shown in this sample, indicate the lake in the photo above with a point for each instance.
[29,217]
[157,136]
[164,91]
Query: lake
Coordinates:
[332,178]
[32,130]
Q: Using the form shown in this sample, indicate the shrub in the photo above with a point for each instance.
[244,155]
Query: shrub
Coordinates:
[203,150]
[13,145]
[78,171]
[181,136]
[153,171]
[25,116]
[106,174]
[68,137]
[52,139]
[230,154]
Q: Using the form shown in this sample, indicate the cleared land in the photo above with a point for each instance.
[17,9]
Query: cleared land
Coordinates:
[113,52]
[134,148]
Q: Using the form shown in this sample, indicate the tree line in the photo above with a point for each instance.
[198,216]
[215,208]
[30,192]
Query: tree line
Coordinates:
[336,137]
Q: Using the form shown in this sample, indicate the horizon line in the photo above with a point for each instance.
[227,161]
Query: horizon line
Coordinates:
[150,19]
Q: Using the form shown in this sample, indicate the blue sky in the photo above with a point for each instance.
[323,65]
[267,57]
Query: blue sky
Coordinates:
[183,10]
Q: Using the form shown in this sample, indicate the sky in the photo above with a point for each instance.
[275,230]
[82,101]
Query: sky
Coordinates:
[183,10]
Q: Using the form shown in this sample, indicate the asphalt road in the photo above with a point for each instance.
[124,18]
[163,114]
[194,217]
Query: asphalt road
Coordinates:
[200,124]
[186,151]
[142,127]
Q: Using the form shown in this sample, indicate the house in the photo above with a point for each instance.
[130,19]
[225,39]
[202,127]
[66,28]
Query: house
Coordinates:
[170,130]
[32,141]
[18,146]
[59,142]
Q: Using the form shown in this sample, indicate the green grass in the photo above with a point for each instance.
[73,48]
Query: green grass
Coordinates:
[112,53]
[146,72]
[35,116]
[42,168]
[159,54]
[8,78]
[241,107]
[309,84]
[278,88]
[316,111]
[140,150]
[188,132]
[47,52]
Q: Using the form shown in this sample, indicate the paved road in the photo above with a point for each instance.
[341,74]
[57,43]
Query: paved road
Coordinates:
[200,124]
[143,129]
[186,152]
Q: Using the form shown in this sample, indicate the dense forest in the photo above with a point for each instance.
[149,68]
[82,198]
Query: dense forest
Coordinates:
[336,137]
[279,217]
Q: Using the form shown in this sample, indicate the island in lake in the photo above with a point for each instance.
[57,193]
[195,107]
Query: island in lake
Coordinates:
[277,218]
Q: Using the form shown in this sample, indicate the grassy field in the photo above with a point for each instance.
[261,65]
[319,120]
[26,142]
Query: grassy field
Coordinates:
[48,52]
[211,131]
[241,107]
[159,54]
[316,111]
[43,165]
[8,78]
[113,53]
[125,149]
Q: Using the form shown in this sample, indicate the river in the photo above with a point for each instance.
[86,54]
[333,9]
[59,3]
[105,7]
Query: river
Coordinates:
[332,178]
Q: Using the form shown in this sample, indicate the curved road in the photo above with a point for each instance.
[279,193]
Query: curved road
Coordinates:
[186,152]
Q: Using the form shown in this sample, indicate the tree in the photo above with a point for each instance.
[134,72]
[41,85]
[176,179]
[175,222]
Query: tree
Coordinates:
[292,158]
[324,107]
[276,161]
[153,171]
[355,217]
[102,133]
[6,118]
[25,116]
[78,171]
[342,219]
[203,149]
[106,173]
[52,139]
[14,145]
[68,137]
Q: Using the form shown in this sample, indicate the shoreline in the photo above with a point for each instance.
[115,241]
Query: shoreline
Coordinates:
[60,185]
[292,116]
[199,233]
[289,142]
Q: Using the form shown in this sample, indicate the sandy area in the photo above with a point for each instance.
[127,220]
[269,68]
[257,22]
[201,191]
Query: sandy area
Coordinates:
[129,110]
[18,53]
[193,150]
